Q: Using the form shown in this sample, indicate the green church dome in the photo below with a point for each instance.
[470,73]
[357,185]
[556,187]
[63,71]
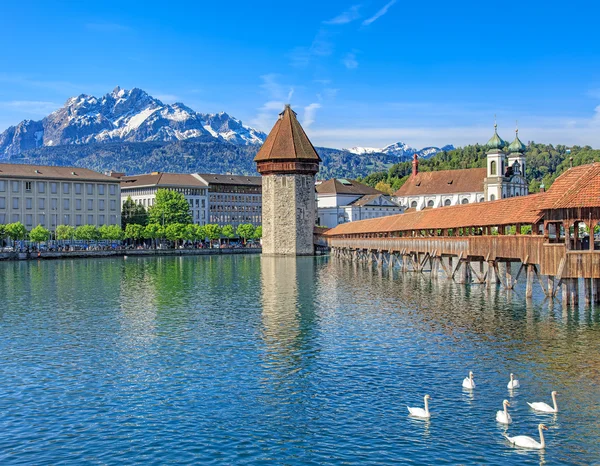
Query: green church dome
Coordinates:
[496,142]
[517,145]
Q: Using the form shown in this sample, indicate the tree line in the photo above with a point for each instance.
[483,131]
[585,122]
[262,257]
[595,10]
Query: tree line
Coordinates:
[169,218]
[544,163]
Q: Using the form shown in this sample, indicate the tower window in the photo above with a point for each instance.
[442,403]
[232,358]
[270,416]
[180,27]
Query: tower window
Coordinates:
[493,167]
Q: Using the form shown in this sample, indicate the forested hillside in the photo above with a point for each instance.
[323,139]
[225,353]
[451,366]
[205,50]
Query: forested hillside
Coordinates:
[197,155]
[544,163]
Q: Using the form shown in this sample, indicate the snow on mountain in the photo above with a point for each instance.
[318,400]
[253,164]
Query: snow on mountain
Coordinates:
[124,116]
[401,150]
[363,150]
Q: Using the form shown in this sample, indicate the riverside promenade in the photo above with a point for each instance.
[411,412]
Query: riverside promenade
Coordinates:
[84,254]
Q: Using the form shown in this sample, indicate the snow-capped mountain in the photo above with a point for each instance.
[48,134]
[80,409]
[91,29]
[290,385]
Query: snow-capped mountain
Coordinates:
[401,150]
[124,116]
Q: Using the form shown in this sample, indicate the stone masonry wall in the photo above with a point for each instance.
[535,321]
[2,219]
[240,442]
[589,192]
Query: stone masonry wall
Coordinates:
[289,211]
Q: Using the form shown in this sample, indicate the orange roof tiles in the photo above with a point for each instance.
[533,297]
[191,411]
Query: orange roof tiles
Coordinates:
[468,180]
[287,141]
[502,212]
[577,187]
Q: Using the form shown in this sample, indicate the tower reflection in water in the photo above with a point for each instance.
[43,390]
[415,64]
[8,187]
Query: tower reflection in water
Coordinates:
[288,319]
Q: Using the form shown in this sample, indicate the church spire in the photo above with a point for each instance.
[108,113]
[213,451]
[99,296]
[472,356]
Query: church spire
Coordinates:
[496,142]
[516,147]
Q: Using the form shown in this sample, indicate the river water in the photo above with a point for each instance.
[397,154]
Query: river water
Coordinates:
[250,360]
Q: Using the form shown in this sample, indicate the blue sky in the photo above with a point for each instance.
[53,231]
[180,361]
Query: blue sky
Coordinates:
[365,73]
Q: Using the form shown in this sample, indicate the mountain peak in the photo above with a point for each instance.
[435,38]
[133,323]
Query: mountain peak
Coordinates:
[125,116]
[401,150]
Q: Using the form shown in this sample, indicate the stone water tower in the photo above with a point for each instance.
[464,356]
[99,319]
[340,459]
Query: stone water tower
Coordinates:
[288,164]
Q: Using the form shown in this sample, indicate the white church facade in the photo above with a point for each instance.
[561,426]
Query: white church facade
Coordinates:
[503,177]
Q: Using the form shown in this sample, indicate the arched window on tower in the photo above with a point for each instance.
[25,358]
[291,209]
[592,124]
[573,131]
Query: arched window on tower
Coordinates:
[493,167]
[492,197]
[517,168]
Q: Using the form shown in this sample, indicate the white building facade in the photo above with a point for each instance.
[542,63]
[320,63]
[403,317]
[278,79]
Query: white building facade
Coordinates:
[341,201]
[50,196]
[233,199]
[142,190]
[503,177]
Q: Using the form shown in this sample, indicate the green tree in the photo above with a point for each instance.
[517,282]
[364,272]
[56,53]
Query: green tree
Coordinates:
[65,232]
[258,232]
[228,232]
[170,207]
[87,233]
[16,231]
[154,231]
[111,232]
[175,232]
[384,187]
[245,231]
[132,212]
[39,234]
[213,231]
[2,233]
[134,231]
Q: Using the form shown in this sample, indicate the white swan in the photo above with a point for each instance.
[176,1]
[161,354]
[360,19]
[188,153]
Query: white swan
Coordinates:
[502,416]
[468,382]
[420,412]
[514,383]
[527,442]
[545,408]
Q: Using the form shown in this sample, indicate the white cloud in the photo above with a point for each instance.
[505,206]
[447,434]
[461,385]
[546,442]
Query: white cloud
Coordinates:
[321,46]
[310,112]
[346,17]
[379,14]
[350,61]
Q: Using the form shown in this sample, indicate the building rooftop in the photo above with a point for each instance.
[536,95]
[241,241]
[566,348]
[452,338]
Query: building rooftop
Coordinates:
[211,178]
[344,186]
[368,199]
[287,141]
[52,172]
[162,180]
[577,187]
[469,180]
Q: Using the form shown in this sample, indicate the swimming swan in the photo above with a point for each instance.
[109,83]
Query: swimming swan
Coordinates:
[420,412]
[527,442]
[468,382]
[545,408]
[514,383]
[502,416]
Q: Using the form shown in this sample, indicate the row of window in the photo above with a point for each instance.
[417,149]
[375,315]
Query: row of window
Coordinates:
[235,208]
[233,198]
[152,191]
[219,188]
[66,203]
[41,186]
[232,219]
[55,220]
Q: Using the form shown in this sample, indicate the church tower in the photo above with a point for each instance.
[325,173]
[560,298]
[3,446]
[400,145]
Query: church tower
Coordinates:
[288,164]
[496,161]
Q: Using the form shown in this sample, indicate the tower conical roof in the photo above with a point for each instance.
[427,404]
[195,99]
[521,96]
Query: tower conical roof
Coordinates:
[517,146]
[496,142]
[287,141]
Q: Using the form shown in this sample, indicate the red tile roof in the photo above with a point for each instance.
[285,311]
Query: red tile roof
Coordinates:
[502,212]
[468,180]
[577,187]
[287,141]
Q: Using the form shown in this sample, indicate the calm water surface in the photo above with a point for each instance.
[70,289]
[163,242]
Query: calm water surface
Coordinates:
[252,360]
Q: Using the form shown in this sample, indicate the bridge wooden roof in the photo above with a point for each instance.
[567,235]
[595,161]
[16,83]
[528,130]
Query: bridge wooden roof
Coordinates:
[495,213]
[577,187]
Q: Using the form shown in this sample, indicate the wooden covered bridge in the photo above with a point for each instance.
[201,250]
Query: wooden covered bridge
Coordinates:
[549,235]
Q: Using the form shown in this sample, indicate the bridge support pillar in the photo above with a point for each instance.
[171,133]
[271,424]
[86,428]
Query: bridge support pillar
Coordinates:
[530,277]
[596,292]
[435,267]
[570,291]
[464,272]
[491,274]
[587,291]
[551,286]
